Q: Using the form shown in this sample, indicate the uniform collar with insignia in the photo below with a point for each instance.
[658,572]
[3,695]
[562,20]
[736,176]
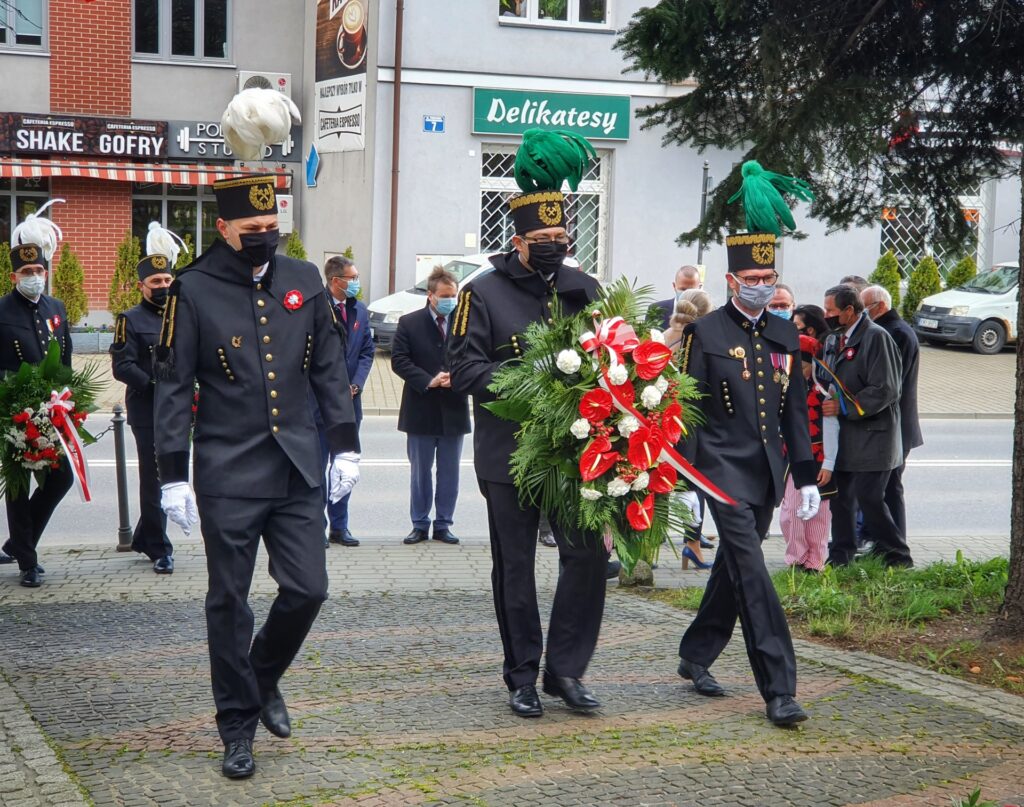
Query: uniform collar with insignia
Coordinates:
[741,319]
[222,261]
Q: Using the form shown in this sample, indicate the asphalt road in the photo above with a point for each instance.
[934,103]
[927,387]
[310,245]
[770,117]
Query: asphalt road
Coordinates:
[958,484]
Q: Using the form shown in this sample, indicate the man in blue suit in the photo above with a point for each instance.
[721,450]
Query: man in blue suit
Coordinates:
[342,280]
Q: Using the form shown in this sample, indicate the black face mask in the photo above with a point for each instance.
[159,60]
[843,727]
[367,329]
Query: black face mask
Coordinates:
[546,258]
[833,323]
[258,248]
[158,297]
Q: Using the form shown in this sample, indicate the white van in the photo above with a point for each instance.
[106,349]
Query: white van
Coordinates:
[981,313]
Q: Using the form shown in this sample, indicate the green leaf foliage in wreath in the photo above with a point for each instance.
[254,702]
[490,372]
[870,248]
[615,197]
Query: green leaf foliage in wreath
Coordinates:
[544,400]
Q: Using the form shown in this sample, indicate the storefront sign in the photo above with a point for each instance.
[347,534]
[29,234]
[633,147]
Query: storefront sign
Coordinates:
[29,133]
[342,38]
[204,140]
[511,112]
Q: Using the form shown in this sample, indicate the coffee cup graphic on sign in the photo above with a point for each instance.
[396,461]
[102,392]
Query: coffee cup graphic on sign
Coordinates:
[352,34]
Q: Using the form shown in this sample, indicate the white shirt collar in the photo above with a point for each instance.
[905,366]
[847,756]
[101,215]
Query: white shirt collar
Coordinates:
[263,270]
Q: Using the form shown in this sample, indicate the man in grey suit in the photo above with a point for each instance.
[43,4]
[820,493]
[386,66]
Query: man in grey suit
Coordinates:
[867,365]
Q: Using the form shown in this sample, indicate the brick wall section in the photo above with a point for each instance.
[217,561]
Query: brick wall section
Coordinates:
[94,219]
[90,61]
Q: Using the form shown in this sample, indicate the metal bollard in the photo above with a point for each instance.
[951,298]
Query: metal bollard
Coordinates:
[124,529]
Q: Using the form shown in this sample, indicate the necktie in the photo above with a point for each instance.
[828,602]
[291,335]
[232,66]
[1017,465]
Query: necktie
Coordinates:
[440,324]
[842,343]
[342,313]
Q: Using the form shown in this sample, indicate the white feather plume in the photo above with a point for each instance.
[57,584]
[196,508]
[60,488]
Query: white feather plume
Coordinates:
[161,241]
[256,118]
[37,230]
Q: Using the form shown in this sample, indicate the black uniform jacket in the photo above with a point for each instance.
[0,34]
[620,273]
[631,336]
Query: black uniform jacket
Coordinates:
[254,348]
[910,354]
[136,332]
[870,368]
[26,329]
[417,355]
[752,405]
[493,311]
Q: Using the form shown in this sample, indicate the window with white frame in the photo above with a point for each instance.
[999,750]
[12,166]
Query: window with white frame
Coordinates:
[18,198]
[569,13]
[183,209]
[586,210]
[180,29]
[22,23]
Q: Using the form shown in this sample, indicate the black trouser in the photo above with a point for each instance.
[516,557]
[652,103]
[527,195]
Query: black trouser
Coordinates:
[150,536]
[579,594]
[740,586]
[293,533]
[27,516]
[865,489]
[895,501]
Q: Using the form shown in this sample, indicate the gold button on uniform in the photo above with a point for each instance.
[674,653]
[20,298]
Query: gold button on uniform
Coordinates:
[274,412]
[260,303]
[269,357]
[263,320]
[259,286]
[271,375]
[273,393]
[275,430]
[266,340]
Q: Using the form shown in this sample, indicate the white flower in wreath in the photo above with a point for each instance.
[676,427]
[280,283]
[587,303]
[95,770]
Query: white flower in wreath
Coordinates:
[627,425]
[618,487]
[650,397]
[568,361]
[661,384]
[618,374]
[590,494]
[580,429]
[657,336]
[641,482]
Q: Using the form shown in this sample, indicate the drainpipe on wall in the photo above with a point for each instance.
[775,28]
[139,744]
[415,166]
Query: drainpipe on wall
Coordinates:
[396,114]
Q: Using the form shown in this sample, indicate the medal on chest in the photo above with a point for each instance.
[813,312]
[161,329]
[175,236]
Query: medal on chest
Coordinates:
[739,353]
[783,366]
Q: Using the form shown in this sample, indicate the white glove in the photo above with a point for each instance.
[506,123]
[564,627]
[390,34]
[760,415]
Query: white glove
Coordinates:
[810,501]
[179,502]
[690,499]
[344,473]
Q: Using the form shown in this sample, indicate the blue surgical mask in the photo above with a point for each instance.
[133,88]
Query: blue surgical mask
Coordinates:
[756,297]
[445,305]
[32,286]
[785,313]
[352,290]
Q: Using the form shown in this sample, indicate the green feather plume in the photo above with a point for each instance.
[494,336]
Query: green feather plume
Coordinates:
[547,158]
[763,205]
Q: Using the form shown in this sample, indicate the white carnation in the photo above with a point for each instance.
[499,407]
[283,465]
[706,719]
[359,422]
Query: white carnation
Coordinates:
[618,487]
[568,361]
[580,429]
[641,482]
[661,384]
[590,494]
[657,336]
[650,397]
[627,425]
[618,375]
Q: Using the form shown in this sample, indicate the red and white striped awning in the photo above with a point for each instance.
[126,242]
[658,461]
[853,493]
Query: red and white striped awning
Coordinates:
[174,174]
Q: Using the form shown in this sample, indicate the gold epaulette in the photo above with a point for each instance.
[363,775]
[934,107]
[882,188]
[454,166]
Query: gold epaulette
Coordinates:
[167,326]
[120,329]
[462,313]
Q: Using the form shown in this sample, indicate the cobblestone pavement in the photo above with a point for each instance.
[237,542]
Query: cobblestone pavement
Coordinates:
[397,699]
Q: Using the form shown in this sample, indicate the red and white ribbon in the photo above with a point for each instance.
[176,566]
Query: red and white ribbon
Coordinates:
[59,411]
[614,335]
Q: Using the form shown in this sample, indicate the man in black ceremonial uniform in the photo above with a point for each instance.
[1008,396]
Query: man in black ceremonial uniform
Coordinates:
[255,329]
[493,312]
[747,364]
[29,319]
[135,335]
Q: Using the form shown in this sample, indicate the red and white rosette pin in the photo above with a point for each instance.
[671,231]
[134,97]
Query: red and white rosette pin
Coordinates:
[293,300]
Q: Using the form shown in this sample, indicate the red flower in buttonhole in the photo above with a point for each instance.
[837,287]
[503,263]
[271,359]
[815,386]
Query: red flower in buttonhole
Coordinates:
[641,514]
[662,479]
[596,405]
[645,445]
[293,300]
[597,458]
[651,358]
[672,422]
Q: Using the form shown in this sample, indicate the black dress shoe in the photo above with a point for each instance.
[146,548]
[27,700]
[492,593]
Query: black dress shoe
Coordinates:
[572,691]
[416,536]
[445,537]
[611,571]
[703,681]
[30,578]
[5,558]
[782,710]
[238,760]
[343,537]
[525,702]
[40,569]
[164,565]
[274,714]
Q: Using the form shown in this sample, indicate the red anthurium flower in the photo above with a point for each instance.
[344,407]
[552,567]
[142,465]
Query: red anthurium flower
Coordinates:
[597,458]
[645,445]
[641,514]
[625,391]
[596,405]
[662,479]
[651,358]
[672,422]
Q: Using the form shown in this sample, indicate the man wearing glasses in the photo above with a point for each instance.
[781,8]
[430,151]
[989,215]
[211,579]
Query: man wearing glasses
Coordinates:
[747,364]
[29,320]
